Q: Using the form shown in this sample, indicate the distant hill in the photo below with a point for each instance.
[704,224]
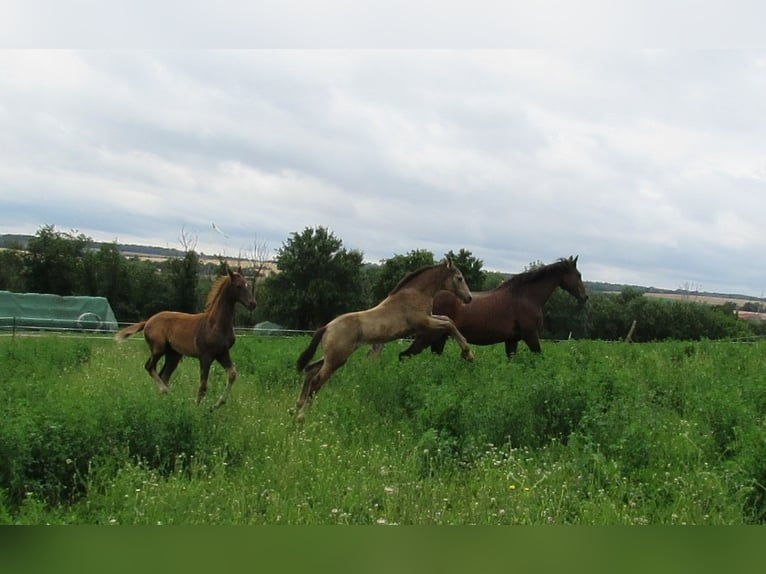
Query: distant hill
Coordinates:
[129,250]
[9,240]
[677,294]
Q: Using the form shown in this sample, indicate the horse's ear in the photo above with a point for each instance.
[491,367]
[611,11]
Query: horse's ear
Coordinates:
[575,259]
[449,263]
[229,272]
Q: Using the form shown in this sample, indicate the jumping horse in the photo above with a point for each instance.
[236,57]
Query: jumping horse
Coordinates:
[207,336]
[404,312]
[510,313]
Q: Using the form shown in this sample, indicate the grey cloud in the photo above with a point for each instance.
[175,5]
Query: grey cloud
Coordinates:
[648,165]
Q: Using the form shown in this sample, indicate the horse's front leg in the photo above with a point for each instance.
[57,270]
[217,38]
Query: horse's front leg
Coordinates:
[443,323]
[417,346]
[510,347]
[231,372]
[204,372]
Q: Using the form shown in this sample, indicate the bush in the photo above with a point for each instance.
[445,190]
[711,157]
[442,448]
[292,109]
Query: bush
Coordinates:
[610,316]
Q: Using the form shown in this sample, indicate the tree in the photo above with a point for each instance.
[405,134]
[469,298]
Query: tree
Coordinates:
[396,267]
[55,261]
[105,274]
[12,269]
[752,307]
[184,278]
[318,280]
[259,257]
[150,291]
[492,279]
[471,267]
[605,319]
[370,276]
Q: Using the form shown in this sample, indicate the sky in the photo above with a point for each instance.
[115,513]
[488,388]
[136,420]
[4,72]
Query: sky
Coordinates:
[649,163]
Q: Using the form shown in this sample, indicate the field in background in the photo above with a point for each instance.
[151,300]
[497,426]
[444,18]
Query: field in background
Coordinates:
[588,433]
[707,299]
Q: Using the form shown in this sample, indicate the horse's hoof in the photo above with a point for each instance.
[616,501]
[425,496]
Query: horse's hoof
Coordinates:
[468,356]
[300,417]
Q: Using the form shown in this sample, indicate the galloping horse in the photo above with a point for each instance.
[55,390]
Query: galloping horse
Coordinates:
[208,335]
[510,313]
[405,311]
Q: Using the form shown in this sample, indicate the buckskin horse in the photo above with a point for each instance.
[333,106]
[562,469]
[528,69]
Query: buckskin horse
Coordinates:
[207,336]
[404,312]
[510,313]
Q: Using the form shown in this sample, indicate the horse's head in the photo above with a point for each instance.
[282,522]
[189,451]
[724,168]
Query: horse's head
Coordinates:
[571,281]
[456,283]
[240,291]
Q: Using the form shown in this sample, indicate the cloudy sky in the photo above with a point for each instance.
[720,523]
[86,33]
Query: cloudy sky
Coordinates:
[650,164]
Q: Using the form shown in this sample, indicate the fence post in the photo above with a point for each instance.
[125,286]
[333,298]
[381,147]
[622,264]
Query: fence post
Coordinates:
[629,337]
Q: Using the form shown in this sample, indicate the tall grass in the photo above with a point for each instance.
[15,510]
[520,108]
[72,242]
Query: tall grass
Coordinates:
[587,433]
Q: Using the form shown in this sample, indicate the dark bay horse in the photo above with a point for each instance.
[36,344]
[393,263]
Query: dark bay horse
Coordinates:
[404,312]
[208,335]
[510,313]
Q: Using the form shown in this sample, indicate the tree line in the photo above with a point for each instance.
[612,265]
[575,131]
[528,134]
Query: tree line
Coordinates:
[319,278]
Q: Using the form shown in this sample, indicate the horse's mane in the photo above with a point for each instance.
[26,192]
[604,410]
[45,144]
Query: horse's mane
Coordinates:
[215,292]
[411,276]
[538,273]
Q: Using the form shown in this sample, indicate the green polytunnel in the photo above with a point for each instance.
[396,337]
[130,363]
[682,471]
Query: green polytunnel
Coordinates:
[21,311]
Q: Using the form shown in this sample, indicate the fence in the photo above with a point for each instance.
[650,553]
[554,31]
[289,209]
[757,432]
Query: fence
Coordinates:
[91,323]
[84,323]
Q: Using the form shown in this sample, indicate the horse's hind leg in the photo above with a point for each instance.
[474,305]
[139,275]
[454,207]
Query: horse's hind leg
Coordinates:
[172,358]
[533,342]
[309,373]
[315,379]
[151,367]
[231,372]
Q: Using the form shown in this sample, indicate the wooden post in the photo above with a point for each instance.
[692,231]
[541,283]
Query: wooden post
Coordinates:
[629,337]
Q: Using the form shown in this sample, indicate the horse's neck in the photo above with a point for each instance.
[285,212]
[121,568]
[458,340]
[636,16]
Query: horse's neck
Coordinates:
[424,288]
[540,291]
[433,287]
[426,281]
[222,312]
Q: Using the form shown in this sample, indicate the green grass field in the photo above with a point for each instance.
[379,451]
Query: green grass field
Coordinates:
[588,433]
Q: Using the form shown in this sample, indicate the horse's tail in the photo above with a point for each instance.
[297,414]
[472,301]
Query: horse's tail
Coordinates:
[123,334]
[306,355]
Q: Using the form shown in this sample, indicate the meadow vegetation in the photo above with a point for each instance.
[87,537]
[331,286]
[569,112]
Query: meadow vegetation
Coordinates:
[587,433]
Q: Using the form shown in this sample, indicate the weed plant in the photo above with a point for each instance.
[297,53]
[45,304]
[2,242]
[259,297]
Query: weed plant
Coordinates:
[586,433]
